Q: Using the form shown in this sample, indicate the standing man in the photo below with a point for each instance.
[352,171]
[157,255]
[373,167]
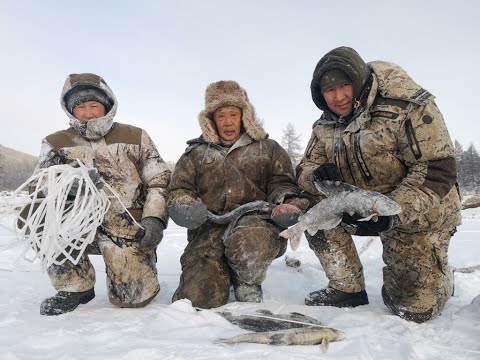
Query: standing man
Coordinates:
[127,160]
[232,163]
[381,131]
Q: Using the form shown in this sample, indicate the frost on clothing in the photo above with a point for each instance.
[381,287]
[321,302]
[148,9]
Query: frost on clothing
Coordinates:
[341,198]
[223,178]
[395,143]
[128,161]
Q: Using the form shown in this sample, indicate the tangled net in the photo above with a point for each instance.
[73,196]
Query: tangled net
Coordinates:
[59,227]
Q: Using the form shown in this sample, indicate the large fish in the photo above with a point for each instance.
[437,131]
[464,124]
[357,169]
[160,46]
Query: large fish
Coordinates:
[341,198]
[264,320]
[305,336]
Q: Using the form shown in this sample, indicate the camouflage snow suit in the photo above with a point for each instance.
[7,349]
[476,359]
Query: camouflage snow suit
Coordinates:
[128,161]
[396,143]
[223,178]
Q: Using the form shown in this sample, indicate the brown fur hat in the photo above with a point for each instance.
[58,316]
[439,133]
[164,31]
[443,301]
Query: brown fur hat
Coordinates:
[228,93]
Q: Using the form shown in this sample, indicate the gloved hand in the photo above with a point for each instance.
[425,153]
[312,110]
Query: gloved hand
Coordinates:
[94,176]
[328,171]
[286,214]
[374,226]
[151,234]
[188,212]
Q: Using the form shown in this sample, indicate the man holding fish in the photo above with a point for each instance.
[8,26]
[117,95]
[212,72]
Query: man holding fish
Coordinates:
[231,167]
[380,131]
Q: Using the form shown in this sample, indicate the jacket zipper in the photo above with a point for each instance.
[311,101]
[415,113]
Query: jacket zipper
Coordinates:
[358,155]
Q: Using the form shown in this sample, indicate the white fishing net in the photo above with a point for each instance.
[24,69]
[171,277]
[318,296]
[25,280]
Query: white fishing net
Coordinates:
[59,227]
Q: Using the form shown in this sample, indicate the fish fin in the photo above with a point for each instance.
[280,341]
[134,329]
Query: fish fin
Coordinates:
[287,234]
[295,242]
[312,232]
[324,344]
[293,236]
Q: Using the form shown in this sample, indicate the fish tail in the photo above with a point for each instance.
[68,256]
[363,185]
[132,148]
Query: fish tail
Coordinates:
[324,344]
[293,235]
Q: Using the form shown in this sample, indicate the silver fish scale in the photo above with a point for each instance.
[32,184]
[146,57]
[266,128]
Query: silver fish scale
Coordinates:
[341,198]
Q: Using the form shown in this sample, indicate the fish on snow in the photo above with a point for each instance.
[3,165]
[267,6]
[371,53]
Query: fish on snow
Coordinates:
[340,198]
[265,320]
[304,336]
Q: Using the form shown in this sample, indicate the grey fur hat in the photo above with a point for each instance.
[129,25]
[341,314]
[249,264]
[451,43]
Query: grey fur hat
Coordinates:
[228,93]
[82,93]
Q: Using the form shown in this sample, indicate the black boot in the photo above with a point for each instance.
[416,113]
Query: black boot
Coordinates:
[248,293]
[65,301]
[334,297]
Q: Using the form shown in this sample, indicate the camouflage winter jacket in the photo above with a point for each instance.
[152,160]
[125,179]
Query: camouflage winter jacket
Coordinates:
[124,155]
[397,143]
[226,177]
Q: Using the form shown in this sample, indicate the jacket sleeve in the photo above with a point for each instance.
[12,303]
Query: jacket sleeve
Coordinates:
[183,180]
[313,157]
[427,150]
[156,177]
[282,183]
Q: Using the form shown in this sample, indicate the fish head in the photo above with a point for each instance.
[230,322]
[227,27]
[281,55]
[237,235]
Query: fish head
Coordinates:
[384,206]
[375,204]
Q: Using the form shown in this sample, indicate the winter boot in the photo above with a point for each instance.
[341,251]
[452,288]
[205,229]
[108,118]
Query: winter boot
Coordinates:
[65,301]
[334,297]
[248,293]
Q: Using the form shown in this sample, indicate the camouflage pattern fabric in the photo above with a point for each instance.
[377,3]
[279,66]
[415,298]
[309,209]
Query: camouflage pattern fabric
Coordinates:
[131,272]
[210,267]
[224,178]
[127,160]
[396,143]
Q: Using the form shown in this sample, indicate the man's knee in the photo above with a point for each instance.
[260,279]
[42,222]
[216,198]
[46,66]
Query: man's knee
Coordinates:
[205,282]
[418,309]
[131,302]
[133,293]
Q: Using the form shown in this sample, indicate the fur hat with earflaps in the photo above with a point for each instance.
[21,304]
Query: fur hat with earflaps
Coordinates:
[228,93]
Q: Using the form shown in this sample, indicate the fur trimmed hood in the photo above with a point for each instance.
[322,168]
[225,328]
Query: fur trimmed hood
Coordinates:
[95,128]
[228,93]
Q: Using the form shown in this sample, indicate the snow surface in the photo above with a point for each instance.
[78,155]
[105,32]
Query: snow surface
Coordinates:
[162,330]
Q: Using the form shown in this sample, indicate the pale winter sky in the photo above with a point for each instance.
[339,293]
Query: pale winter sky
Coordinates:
[159,56]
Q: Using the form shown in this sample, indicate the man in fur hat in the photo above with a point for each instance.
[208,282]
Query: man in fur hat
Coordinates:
[381,131]
[232,163]
[125,158]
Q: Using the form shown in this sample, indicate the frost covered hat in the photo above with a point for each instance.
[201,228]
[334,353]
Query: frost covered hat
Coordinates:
[82,87]
[83,93]
[228,93]
[333,78]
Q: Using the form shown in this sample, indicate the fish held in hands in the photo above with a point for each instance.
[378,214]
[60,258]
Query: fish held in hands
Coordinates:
[341,198]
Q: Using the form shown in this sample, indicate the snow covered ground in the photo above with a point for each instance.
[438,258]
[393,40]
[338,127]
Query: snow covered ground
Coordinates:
[163,330]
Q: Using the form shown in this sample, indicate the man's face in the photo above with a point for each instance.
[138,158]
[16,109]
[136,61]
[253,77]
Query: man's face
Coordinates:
[89,110]
[340,99]
[228,120]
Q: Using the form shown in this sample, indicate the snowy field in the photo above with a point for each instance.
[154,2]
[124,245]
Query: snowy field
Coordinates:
[163,330]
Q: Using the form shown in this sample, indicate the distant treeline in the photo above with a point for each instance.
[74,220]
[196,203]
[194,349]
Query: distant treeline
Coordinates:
[468,162]
[15,168]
